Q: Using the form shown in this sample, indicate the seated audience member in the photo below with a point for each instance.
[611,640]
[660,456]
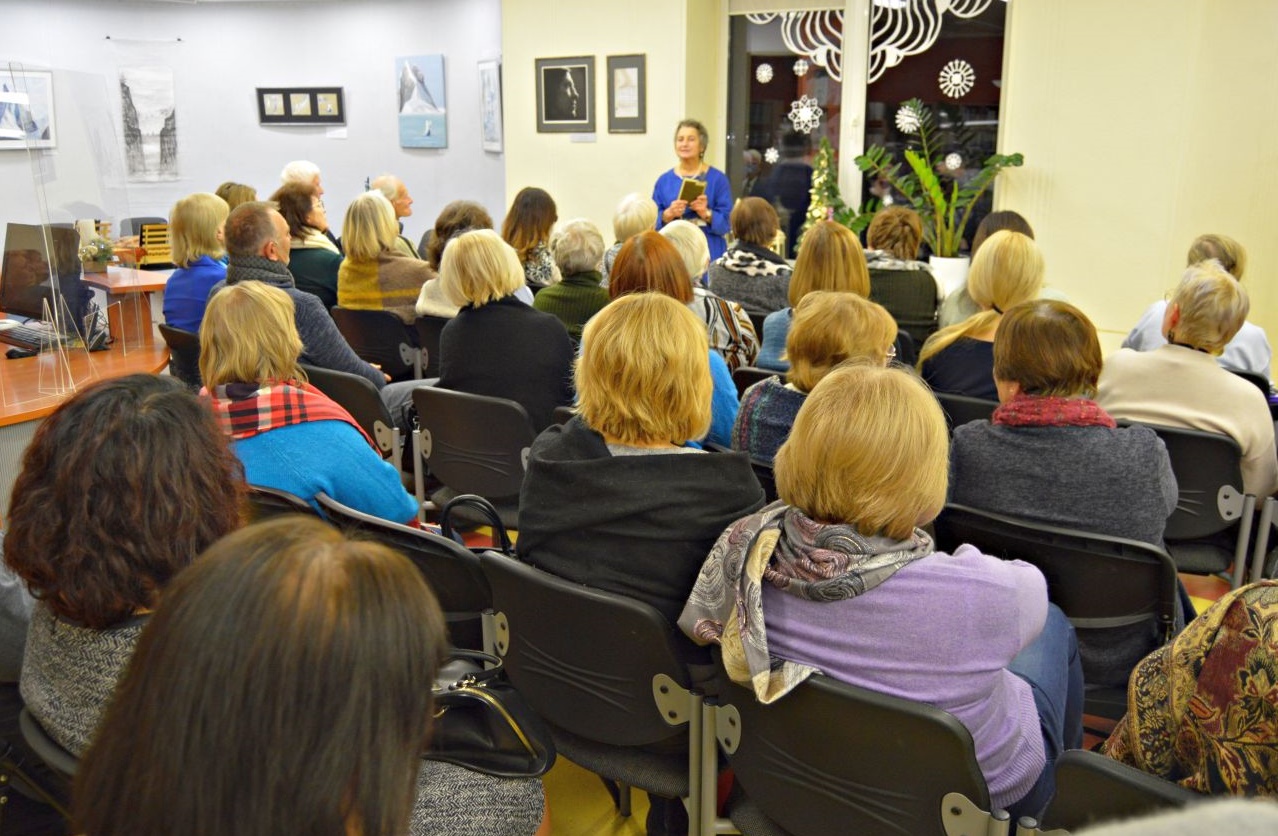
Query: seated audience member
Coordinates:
[457,217]
[960,359]
[196,229]
[375,275]
[394,190]
[649,262]
[750,273]
[635,213]
[1201,710]
[893,241]
[305,171]
[1181,384]
[1249,350]
[236,193]
[958,305]
[497,345]
[829,258]
[1051,455]
[527,228]
[120,489]
[728,326]
[288,434]
[829,328]
[578,250]
[313,260]
[839,577]
[279,689]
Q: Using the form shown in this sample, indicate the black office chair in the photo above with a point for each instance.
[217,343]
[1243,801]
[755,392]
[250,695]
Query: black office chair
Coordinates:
[562,414]
[756,319]
[59,760]
[451,569]
[910,296]
[359,397]
[1258,380]
[381,338]
[184,355]
[36,767]
[833,758]
[604,672]
[429,329]
[265,503]
[1098,581]
[1093,789]
[747,376]
[767,479]
[960,409]
[472,444]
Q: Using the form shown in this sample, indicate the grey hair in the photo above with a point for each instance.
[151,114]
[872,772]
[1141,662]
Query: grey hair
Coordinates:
[635,213]
[299,171]
[388,185]
[577,247]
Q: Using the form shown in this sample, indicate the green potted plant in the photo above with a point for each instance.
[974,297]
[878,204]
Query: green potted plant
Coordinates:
[95,254]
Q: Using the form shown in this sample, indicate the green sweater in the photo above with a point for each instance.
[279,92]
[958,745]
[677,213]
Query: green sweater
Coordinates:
[314,270]
[574,300]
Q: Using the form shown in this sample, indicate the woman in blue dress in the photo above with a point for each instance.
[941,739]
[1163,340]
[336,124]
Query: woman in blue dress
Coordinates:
[712,208]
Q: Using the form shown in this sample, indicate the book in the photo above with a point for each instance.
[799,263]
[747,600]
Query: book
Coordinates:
[691,189]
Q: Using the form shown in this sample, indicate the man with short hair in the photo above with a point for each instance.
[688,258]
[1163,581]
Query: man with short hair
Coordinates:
[397,193]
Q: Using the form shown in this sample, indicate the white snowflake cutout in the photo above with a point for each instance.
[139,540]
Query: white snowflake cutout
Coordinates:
[763,73]
[805,114]
[957,78]
[801,67]
[771,156]
[907,121]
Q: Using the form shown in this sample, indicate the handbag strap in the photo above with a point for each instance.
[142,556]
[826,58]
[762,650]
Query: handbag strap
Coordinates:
[490,666]
[477,503]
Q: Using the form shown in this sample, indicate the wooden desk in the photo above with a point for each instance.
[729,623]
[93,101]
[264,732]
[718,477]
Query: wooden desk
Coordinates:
[129,320]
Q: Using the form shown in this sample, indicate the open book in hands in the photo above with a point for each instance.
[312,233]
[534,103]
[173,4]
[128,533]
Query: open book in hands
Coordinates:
[691,189]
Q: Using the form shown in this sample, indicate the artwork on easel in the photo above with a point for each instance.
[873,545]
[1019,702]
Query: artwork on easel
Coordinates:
[423,114]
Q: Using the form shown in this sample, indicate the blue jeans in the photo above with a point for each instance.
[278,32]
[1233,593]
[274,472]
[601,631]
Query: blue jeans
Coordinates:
[1051,666]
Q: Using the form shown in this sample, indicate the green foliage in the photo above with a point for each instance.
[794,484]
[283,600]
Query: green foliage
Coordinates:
[824,198]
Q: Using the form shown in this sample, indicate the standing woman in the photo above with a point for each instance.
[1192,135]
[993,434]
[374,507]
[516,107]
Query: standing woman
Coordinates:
[711,211]
[527,228]
[197,224]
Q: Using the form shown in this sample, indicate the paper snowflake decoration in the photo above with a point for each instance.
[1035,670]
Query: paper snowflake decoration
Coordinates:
[957,78]
[800,67]
[953,162]
[763,73]
[907,121]
[805,114]
[771,156]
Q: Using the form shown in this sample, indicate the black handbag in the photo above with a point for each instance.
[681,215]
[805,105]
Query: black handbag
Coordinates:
[476,503]
[482,722]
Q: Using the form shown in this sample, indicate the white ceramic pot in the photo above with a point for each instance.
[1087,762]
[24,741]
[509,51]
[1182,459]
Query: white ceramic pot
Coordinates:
[951,271]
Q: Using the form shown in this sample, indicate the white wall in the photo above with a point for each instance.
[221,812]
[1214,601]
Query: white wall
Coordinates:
[227,50]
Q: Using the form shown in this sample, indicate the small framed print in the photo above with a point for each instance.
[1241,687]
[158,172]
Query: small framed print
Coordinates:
[26,110]
[627,94]
[300,106]
[565,94]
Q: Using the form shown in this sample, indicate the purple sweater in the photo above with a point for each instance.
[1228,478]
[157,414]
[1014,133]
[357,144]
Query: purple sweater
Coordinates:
[942,631]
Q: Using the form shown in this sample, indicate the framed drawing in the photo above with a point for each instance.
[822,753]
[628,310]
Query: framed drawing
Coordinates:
[301,106]
[26,110]
[490,104]
[627,94]
[423,115]
[565,94]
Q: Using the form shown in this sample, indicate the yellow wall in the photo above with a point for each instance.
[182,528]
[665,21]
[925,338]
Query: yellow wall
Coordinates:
[1143,123]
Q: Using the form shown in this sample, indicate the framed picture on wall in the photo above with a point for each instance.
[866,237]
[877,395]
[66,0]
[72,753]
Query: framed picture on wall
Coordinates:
[26,110]
[423,112]
[627,94]
[565,94]
[490,104]
[300,106]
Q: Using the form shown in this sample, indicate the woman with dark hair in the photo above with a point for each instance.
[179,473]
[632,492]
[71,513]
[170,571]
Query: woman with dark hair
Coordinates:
[313,260]
[527,228]
[750,273]
[283,686]
[120,489]
[711,209]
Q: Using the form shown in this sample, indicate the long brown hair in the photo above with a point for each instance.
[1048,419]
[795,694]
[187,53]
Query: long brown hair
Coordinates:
[528,223]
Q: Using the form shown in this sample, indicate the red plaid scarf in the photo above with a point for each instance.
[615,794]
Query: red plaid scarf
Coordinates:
[1051,411]
[247,409]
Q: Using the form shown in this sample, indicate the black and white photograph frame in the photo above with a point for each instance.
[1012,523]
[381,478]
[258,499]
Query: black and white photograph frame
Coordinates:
[301,106]
[26,110]
[627,94]
[565,94]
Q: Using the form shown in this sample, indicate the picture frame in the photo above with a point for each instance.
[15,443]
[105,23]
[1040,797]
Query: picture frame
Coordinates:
[490,129]
[423,105]
[301,106]
[26,110]
[627,94]
[565,94]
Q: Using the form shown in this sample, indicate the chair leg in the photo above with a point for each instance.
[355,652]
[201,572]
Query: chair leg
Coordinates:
[697,801]
[1241,550]
[419,478]
[623,799]
[1262,539]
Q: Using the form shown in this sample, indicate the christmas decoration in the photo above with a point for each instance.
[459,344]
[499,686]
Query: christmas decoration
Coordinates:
[825,201]
[800,67]
[771,156]
[953,162]
[907,120]
[805,114]
[763,73]
[957,78]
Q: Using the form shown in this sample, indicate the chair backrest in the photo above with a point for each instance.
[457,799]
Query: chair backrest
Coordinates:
[360,398]
[833,758]
[184,355]
[46,748]
[746,376]
[910,296]
[584,659]
[756,319]
[767,478]
[1258,380]
[133,226]
[1208,468]
[154,238]
[265,503]
[1091,789]
[1098,581]
[960,409]
[473,443]
[428,330]
[562,414]
[380,338]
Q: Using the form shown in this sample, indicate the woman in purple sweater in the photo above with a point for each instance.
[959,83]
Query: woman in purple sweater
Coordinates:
[838,577]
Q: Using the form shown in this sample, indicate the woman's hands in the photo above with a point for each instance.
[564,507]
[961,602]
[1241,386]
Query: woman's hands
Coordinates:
[676,210]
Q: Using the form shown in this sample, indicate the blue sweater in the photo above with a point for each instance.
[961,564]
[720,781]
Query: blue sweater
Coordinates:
[776,327]
[328,456]
[723,403]
[718,198]
[187,292]
[767,414]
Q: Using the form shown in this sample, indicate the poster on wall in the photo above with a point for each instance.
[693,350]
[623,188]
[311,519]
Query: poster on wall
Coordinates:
[301,106]
[565,94]
[150,126]
[627,94]
[26,110]
[423,118]
[490,104]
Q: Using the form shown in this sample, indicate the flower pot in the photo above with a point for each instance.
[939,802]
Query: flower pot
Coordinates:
[94,266]
[951,271]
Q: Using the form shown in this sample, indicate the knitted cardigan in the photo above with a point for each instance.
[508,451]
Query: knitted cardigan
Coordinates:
[574,300]
[391,283]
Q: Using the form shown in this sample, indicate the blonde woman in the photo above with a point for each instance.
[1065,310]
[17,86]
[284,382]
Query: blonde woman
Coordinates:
[728,326]
[829,328]
[197,225]
[830,258]
[1007,270]
[374,275]
[287,433]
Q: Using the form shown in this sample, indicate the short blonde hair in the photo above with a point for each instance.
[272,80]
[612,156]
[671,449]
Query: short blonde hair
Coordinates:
[635,213]
[830,327]
[248,335]
[691,244]
[898,230]
[478,267]
[369,227]
[869,447]
[1213,307]
[236,193]
[577,247]
[194,222]
[644,373]
[1231,255]
[830,258]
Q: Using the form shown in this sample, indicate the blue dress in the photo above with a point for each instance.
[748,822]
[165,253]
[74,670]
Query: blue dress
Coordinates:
[187,292]
[718,198]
